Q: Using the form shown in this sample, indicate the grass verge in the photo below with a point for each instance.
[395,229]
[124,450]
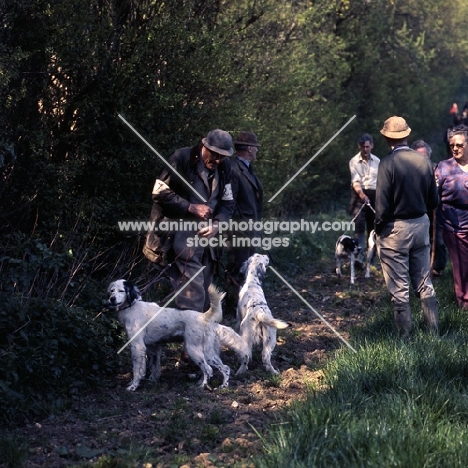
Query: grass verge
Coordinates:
[393,404]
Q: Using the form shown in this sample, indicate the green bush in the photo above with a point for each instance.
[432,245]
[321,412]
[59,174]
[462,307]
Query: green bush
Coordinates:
[29,266]
[49,352]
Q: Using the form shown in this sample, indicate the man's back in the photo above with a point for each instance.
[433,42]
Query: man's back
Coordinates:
[247,191]
[406,187]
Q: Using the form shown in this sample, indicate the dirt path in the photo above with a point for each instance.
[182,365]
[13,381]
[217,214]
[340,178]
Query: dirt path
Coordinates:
[183,425]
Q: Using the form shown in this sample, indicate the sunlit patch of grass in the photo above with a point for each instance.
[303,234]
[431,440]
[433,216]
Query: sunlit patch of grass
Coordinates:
[393,403]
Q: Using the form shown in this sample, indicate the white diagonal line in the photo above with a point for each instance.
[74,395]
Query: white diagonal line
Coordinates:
[314,311]
[311,159]
[162,159]
[370,206]
[160,310]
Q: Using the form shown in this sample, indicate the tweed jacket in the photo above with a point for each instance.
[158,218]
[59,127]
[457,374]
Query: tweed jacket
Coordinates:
[172,196]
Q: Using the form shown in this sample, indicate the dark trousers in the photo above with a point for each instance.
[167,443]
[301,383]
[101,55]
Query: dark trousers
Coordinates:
[186,263]
[439,251]
[364,222]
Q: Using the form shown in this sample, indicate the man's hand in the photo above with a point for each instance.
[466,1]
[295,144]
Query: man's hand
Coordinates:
[202,211]
[364,197]
[360,193]
[209,231]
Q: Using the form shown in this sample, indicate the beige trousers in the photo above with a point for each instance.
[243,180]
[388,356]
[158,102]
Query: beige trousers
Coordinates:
[404,250]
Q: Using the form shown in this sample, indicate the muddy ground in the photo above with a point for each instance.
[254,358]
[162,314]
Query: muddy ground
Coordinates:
[183,425]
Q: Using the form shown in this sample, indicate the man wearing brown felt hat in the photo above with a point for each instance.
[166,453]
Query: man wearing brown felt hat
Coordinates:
[406,194]
[247,192]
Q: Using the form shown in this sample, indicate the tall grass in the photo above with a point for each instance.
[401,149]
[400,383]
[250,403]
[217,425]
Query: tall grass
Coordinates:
[393,404]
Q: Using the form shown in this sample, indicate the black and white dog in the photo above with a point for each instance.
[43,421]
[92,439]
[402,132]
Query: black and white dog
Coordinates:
[347,248]
[149,326]
[255,320]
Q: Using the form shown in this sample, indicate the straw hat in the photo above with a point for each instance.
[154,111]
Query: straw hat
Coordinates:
[395,127]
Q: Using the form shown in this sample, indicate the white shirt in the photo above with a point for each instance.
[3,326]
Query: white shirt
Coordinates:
[364,172]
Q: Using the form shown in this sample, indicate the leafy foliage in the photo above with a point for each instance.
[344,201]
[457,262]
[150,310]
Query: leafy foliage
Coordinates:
[49,352]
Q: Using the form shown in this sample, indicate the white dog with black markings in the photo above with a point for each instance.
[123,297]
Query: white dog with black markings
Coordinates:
[149,326]
[255,320]
[346,248]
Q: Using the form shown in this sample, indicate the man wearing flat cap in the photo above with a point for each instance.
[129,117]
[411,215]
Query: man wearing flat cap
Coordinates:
[248,198]
[406,194]
[196,188]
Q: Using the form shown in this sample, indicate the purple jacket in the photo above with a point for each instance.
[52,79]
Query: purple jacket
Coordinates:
[452,214]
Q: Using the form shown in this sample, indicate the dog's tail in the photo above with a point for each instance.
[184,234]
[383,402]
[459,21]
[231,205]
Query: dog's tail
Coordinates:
[230,339]
[264,317]
[267,319]
[215,312]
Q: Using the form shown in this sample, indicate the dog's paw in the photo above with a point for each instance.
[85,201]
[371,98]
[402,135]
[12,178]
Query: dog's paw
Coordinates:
[242,369]
[208,387]
[203,383]
[132,387]
[223,385]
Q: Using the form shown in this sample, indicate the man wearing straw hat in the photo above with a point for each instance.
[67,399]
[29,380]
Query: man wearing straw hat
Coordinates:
[406,193]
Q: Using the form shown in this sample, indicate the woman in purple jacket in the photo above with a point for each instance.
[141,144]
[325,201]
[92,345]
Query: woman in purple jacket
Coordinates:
[452,213]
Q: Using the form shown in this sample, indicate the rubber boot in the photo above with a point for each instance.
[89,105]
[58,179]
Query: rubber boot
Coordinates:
[431,314]
[403,321]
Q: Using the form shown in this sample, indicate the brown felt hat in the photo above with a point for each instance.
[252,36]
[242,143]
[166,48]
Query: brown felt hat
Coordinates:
[219,142]
[395,127]
[247,139]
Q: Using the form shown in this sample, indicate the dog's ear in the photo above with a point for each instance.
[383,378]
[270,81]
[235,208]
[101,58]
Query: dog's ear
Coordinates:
[261,271]
[132,292]
[349,243]
[243,268]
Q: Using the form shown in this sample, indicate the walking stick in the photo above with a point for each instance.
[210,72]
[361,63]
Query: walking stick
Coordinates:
[433,243]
